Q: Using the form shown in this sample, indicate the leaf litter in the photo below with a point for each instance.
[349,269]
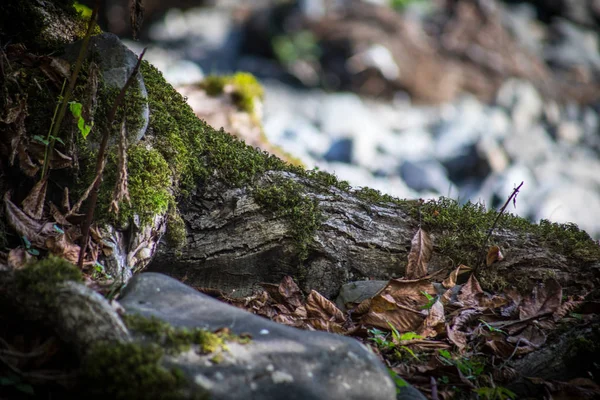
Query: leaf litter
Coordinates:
[449,339]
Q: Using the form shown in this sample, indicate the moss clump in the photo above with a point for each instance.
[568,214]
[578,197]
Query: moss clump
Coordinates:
[246,89]
[40,278]
[131,371]
[176,234]
[149,183]
[286,198]
[176,340]
[464,228]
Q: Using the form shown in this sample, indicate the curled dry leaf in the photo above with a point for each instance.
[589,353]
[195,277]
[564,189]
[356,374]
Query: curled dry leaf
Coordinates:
[35,231]
[435,322]
[62,247]
[33,204]
[318,306]
[399,303]
[456,337]
[419,256]
[494,254]
[451,280]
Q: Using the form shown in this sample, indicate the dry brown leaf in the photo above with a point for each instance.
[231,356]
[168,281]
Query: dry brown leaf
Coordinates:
[25,163]
[327,326]
[471,292]
[435,322]
[58,216]
[33,204]
[291,292]
[498,345]
[35,231]
[419,256]
[61,246]
[458,338]
[384,309]
[494,254]
[566,308]
[545,298]
[450,281]
[318,306]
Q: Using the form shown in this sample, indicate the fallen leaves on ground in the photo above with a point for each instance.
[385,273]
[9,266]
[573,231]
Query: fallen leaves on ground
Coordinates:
[438,334]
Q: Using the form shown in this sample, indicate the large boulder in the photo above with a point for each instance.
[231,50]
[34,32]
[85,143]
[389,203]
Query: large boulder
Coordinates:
[279,362]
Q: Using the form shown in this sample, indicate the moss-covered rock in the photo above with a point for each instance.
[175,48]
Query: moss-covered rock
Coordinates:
[131,371]
[40,278]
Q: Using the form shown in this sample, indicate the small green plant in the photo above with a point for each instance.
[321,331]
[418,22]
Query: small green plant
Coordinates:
[470,368]
[430,300]
[495,393]
[380,339]
[398,380]
[28,247]
[83,127]
[100,272]
[491,328]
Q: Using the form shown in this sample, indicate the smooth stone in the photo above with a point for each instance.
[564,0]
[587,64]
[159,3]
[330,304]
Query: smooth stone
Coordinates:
[429,175]
[280,362]
[341,151]
[355,292]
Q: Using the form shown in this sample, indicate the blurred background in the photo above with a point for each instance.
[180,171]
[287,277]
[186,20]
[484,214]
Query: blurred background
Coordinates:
[415,98]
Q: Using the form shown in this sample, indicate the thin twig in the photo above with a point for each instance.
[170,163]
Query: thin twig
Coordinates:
[513,197]
[100,161]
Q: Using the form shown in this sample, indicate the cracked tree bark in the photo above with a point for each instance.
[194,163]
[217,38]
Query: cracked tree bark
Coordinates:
[234,243]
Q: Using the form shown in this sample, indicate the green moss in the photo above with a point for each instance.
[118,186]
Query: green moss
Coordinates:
[41,277]
[461,231]
[287,198]
[176,234]
[176,340]
[131,371]
[246,89]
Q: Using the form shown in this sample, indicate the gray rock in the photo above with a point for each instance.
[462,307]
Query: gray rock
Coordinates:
[531,147]
[355,292]
[340,151]
[280,362]
[523,102]
[116,64]
[427,176]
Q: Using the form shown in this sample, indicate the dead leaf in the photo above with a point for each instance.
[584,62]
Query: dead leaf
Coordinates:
[544,299]
[471,292]
[61,246]
[33,204]
[419,256]
[458,338]
[494,254]
[318,306]
[35,231]
[435,322]
[451,280]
